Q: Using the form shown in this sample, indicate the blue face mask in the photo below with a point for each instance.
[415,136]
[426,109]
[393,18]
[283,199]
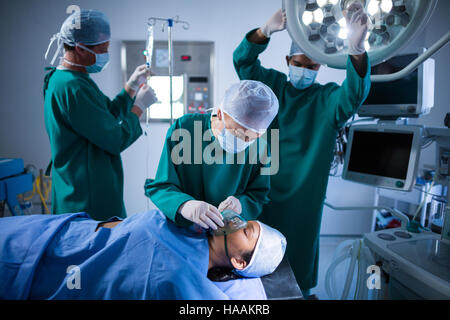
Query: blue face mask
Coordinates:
[101,61]
[301,78]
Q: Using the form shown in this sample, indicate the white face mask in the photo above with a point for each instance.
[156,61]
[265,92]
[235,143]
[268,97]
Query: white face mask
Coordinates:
[229,142]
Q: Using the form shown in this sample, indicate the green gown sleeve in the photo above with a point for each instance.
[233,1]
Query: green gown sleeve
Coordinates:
[100,120]
[120,105]
[248,66]
[165,190]
[343,101]
[256,193]
[255,196]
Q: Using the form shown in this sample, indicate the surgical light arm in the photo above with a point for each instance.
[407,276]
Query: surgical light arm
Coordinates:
[319,29]
[396,213]
[414,64]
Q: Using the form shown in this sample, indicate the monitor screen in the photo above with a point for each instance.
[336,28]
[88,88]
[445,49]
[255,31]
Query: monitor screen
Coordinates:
[403,91]
[384,154]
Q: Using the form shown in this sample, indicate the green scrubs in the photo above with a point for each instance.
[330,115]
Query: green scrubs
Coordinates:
[201,176]
[308,121]
[87,133]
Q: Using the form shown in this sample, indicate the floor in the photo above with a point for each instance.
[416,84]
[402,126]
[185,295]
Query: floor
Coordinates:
[328,245]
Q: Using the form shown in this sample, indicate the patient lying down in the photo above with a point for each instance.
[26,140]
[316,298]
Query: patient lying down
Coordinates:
[144,256]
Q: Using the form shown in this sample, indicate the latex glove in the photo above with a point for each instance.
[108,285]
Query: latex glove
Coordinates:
[145,97]
[276,23]
[139,77]
[202,213]
[357,28]
[231,203]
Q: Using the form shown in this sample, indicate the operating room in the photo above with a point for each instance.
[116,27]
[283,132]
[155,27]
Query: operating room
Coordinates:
[343,224]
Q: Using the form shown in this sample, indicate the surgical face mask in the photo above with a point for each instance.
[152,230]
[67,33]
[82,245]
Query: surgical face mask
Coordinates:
[301,78]
[101,61]
[230,143]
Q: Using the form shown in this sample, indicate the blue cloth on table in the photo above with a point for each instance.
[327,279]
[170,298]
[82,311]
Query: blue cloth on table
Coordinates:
[144,257]
[243,289]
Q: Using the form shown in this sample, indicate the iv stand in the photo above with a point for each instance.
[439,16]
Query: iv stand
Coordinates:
[151,22]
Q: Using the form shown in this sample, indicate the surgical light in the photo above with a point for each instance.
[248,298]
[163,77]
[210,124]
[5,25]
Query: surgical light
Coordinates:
[323,3]
[329,17]
[311,5]
[373,7]
[323,31]
[310,17]
[343,31]
[318,16]
[386,5]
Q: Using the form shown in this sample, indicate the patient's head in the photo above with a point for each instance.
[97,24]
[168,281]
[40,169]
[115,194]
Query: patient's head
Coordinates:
[253,251]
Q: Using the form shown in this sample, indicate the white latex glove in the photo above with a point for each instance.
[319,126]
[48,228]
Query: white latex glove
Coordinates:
[231,203]
[145,97]
[202,213]
[138,78]
[357,29]
[276,23]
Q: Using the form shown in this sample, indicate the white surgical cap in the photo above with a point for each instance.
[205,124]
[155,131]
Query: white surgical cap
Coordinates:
[295,50]
[90,27]
[268,253]
[251,104]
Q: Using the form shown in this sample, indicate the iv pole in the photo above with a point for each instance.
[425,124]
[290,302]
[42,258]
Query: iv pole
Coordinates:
[151,22]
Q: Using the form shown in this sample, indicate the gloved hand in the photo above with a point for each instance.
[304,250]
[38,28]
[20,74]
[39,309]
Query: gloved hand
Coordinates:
[139,77]
[202,213]
[145,97]
[231,203]
[357,28]
[276,23]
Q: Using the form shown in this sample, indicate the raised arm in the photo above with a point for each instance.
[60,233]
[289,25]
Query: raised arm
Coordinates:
[345,100]
[245,57]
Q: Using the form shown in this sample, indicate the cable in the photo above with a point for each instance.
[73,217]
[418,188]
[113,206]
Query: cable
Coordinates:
[350,123]
[147,157]
[428,193]
[423,202]
[357,272]
[430,142]
[44,196]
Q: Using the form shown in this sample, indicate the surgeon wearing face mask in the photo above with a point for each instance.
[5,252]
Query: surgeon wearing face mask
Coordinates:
[205,164]
[309,118]
[87,130]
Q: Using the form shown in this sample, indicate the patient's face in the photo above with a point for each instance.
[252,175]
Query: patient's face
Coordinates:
[243,240]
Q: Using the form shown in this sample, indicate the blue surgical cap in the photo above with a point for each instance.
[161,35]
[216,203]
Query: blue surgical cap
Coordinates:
[90,27]
[295,50]
[268,253]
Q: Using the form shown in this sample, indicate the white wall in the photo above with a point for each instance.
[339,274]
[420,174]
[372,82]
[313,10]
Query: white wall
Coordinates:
[26,27]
